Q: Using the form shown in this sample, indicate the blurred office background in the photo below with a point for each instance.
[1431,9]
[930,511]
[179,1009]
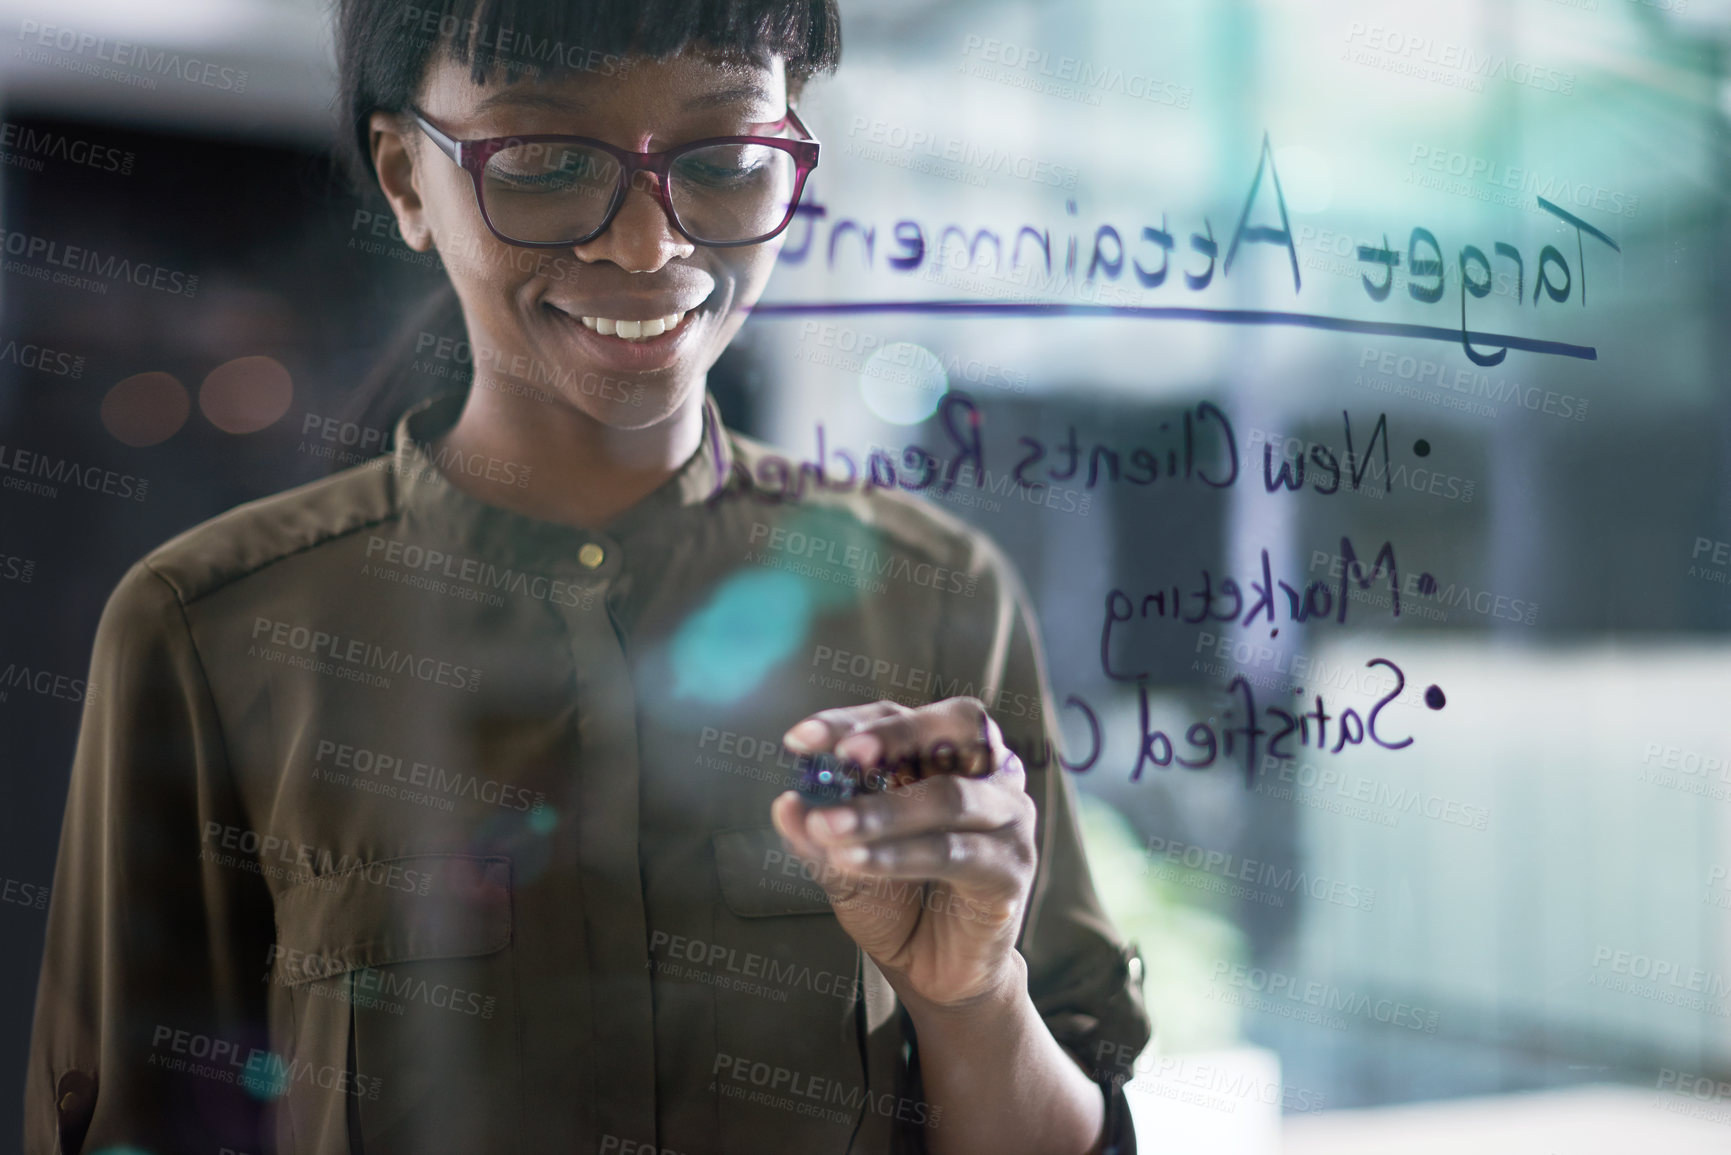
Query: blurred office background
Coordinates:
[1512,931]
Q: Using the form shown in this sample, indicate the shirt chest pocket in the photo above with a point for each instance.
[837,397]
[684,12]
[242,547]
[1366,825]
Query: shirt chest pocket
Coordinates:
[760,879]
[397,1019]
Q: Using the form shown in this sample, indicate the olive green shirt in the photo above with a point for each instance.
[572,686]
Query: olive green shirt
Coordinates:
[403,823]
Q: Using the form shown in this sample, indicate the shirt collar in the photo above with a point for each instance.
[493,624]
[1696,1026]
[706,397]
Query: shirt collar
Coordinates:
[427,496]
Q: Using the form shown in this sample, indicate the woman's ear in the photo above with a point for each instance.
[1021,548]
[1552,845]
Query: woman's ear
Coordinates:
[395,164]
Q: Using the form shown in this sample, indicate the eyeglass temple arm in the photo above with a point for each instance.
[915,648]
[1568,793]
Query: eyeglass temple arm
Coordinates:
[447,145]
[793,119]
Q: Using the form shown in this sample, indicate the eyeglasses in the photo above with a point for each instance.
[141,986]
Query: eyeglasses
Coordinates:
[554,192]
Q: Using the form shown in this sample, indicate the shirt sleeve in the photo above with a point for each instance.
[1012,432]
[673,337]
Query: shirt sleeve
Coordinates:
[150,1000]
[1084,979]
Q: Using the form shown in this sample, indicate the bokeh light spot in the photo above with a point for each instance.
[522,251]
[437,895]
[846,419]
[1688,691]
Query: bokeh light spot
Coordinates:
[265,1080]
[755,619]
[246,394]
[145,409]
[902,383]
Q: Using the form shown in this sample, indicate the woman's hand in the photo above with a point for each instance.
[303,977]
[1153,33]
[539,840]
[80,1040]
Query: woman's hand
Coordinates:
[930,878]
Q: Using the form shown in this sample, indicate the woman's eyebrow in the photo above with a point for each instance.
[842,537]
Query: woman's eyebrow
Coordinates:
[531,98]
[557,102]
[743,93]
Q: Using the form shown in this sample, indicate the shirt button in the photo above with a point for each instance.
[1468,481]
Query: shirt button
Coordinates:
[591,555]
[77,1095]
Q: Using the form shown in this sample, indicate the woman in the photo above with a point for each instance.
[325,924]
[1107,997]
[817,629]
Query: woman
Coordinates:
[437,806]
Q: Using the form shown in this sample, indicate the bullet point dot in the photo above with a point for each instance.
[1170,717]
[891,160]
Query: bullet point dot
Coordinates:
[1421,447]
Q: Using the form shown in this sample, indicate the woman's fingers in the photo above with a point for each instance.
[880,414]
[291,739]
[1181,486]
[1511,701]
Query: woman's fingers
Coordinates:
[942,803]
[963,816]
[971,833]
[789,814]
[842,884]
[954,736]
[819,733]
[984,869]
[792,817]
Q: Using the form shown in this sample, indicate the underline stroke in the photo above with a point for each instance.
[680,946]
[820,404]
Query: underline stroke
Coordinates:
[1178,313]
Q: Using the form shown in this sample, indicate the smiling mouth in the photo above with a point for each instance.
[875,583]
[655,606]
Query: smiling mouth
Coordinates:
[634,330]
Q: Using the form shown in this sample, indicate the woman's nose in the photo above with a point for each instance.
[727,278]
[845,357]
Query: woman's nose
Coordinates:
[641,238]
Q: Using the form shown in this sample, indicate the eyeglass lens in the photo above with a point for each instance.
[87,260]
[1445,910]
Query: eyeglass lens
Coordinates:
[545,193]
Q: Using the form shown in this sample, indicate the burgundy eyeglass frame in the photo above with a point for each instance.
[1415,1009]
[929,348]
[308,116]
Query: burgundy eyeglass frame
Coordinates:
[472,157]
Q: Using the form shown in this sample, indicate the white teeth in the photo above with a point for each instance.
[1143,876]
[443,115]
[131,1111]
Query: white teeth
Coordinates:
[633,330]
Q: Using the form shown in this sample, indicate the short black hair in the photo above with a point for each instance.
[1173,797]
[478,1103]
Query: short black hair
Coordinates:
[384,46]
